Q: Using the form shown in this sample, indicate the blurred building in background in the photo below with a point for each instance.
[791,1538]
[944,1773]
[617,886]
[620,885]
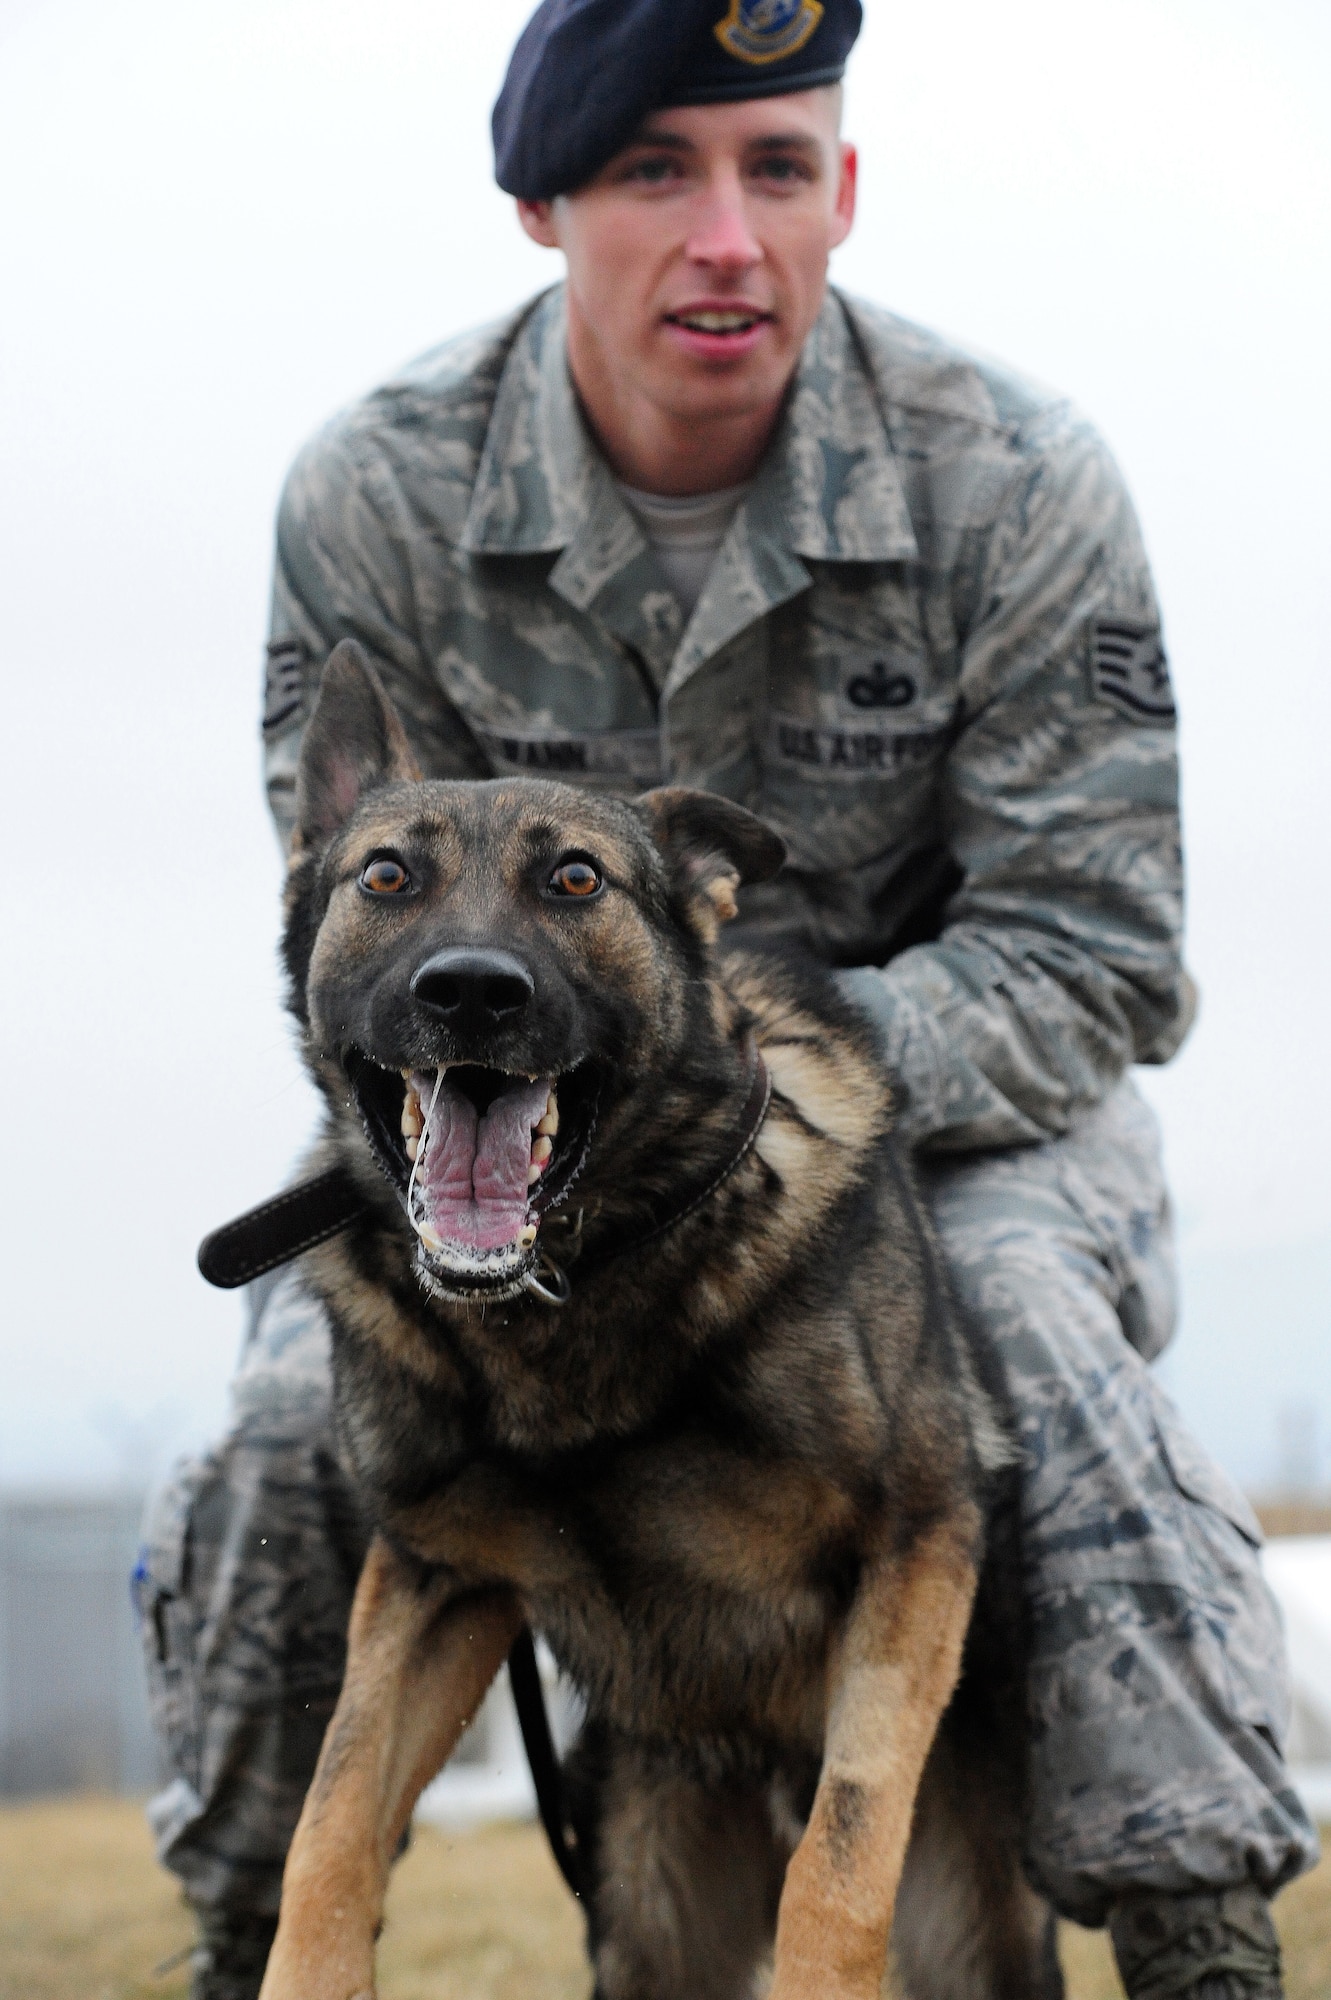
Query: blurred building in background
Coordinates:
[73,1715]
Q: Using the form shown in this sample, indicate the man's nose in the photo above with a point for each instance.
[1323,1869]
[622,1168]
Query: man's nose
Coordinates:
[722,235]
[473,990]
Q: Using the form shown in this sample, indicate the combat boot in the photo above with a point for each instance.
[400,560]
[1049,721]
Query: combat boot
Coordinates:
[229,1959]
[1209,1944]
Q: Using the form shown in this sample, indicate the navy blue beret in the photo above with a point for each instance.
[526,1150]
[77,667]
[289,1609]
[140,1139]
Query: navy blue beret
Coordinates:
[585,73]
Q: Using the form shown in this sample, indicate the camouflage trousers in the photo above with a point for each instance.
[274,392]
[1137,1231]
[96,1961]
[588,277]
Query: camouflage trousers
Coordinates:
[1158,1696]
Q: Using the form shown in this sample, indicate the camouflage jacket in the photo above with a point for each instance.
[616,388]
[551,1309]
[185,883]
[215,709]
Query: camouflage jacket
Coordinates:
[928,653]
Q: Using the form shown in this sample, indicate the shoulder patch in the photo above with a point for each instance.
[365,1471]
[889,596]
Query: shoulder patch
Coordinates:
[1129,670]
[284,682]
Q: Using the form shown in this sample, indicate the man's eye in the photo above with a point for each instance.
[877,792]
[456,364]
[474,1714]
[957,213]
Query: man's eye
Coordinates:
[384,877]
[575,878]
[654,172]
[783,171]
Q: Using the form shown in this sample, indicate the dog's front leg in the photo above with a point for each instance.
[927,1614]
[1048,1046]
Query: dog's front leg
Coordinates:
[419,1660]
[891,1675]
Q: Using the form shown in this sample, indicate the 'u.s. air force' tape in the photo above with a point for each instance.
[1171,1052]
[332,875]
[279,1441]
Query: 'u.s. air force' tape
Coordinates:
[848,751]
[1129,670]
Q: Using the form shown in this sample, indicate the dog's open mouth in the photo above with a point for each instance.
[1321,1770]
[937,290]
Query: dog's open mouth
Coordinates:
[480,1156]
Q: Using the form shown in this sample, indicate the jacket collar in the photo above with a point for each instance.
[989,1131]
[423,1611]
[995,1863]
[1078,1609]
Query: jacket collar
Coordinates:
[829,490]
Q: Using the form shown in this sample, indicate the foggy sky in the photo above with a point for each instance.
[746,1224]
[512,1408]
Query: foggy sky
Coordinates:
[221,222]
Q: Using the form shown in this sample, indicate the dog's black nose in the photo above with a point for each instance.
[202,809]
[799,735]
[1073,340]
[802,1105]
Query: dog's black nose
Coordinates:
[473,990]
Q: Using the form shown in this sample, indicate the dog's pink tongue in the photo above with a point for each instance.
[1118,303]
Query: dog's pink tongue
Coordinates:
[474,1171]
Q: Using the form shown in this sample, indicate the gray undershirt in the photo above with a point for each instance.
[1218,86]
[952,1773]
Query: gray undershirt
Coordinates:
[685,534]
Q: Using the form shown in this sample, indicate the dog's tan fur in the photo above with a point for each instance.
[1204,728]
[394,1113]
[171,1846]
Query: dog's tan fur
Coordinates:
[737,1480]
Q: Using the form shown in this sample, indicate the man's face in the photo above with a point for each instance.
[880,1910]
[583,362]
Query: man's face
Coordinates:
[697,259]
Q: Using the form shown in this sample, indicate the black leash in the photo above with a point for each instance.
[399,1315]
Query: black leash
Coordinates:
[533,1720]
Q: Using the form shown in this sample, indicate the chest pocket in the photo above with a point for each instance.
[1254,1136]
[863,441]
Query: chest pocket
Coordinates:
[842,795]
[545,691]
[858,722]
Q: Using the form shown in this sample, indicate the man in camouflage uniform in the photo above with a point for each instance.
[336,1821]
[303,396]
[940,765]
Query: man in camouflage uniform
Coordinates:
[922,642]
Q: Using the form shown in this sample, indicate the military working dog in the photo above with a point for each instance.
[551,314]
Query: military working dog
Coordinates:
[640,1339]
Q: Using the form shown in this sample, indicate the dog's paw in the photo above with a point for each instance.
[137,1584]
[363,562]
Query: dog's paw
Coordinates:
[315,1975]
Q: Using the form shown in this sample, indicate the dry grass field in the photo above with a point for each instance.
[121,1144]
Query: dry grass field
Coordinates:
[86,1915]
[1294,1517]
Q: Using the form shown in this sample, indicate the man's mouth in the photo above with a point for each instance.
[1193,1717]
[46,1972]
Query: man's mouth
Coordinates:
[480,1156]
[718,321]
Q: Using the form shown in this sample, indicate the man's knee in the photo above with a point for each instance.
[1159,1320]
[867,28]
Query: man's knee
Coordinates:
[249,1565]
[243,1546]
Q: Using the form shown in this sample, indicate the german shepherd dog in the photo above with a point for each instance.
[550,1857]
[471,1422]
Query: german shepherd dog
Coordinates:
[640,1340]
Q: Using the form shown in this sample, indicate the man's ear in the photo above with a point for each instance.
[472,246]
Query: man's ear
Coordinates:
[712,846]
[352,741]
[538,219]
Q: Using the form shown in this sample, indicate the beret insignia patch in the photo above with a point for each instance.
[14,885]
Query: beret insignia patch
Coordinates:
[1129,670]
[763,31]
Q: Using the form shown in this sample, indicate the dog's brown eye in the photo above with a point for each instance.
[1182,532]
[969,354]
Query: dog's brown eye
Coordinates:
[575,878]
[385,877]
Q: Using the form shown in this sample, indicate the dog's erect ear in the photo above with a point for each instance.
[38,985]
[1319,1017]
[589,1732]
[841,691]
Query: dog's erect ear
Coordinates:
[713,846]
[352,741]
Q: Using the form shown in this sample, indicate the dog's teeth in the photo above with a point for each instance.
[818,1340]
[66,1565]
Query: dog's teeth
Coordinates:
[541,1151]
[549,1125]
[528,1236]
[413,1147]
[533,1175]
[429,1239]
[412,1122]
